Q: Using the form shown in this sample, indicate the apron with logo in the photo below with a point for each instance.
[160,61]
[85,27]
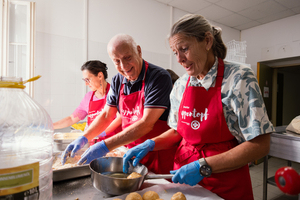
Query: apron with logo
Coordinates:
[95,108]
[202,125]
[131,110]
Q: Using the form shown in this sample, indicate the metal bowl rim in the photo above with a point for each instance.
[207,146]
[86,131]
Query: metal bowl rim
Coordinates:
[113,178]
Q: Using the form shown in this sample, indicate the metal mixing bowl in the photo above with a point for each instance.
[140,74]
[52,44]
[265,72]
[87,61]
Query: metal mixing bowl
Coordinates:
[112,185]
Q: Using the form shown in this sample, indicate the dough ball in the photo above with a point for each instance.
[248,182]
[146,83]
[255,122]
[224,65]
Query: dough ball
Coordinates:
[134,196]
[150,195]
[134,175]
[178,196]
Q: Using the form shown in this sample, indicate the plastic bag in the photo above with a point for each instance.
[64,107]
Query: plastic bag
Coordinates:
[294,126]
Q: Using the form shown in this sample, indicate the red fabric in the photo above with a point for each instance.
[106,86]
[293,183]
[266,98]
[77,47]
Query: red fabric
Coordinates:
[95,108]
[202,125]
[131,110]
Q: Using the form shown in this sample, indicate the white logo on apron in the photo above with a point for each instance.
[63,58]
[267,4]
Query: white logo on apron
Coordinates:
[195,124]
[134,118]
[94,115]
[131,112]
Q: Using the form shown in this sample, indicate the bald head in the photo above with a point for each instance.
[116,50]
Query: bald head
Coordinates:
[126,55]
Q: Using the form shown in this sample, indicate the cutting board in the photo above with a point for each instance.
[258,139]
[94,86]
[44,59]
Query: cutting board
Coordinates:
[166,191]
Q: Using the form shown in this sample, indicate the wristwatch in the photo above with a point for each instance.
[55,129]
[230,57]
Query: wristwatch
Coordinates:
[205,169]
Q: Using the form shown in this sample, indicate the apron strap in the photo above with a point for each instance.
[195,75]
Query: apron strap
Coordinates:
[91,99]
[220,74]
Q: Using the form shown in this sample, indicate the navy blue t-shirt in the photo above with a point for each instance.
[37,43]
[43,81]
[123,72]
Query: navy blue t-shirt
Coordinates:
[158,86]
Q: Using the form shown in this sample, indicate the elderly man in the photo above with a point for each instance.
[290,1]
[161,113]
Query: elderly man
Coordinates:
[140,92]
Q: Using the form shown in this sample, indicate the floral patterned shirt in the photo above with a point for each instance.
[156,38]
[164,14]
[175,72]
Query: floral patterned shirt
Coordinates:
[243,105]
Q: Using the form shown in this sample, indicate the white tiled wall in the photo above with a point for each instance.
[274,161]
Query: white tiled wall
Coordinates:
[60,26]
[159,59]
[58,61]
[274,40]
[97,51]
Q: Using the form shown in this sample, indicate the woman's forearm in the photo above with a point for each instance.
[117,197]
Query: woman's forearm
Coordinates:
[167,140]
[65,122]
[240,155]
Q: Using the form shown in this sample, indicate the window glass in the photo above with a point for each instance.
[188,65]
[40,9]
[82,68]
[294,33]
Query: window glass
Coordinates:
[18,23]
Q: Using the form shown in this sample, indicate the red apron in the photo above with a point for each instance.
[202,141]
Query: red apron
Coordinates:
[95,108]
[202,125]
[131,110]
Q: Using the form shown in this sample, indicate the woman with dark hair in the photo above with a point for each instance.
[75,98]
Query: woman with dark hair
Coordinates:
[217,115]
[94,74]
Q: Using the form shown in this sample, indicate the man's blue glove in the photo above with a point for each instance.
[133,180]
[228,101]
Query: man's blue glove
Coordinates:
[139,151]
[74,146]
[102,134]
[96,151]
[188,174]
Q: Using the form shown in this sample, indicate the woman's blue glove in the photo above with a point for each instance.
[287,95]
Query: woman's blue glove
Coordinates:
[74,146]
[188,174]
[96,151]
[102,134]
[139,151]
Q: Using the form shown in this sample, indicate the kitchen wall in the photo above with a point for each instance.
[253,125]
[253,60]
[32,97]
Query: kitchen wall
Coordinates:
[60,43]
[274,40]
[150,30]
[146,21]
[59,55]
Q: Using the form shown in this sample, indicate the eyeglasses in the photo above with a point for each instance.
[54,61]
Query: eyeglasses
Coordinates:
[87,80]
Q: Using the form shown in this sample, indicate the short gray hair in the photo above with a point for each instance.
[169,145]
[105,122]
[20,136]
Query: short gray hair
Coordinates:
[124,38]
[193,25]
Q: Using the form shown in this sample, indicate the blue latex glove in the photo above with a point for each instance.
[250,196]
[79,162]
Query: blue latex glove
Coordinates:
[102,134]
[139,151]
[74,146]
[96,151]
[188,174]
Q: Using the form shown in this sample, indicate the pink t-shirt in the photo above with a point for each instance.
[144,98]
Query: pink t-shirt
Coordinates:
[82,110]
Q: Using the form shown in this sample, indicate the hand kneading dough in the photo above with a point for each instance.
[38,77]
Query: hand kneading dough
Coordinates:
[150,195]
[134,196]
[134,175]
[178,196]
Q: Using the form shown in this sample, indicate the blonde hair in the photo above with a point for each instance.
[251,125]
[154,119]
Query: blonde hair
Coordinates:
[193,25]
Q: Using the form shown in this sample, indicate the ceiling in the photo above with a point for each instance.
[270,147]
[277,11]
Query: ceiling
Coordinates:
[239,14]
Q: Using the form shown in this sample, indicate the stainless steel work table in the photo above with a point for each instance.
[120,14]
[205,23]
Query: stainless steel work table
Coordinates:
[284,145]
[83,189]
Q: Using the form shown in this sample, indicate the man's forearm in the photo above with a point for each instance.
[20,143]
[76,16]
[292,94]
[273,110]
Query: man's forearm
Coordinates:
[129,134]
[100,123]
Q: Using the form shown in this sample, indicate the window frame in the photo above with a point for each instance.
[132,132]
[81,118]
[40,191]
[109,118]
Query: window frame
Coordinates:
[30,40]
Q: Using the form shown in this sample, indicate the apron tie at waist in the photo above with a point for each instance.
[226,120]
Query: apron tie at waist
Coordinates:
[187,150]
